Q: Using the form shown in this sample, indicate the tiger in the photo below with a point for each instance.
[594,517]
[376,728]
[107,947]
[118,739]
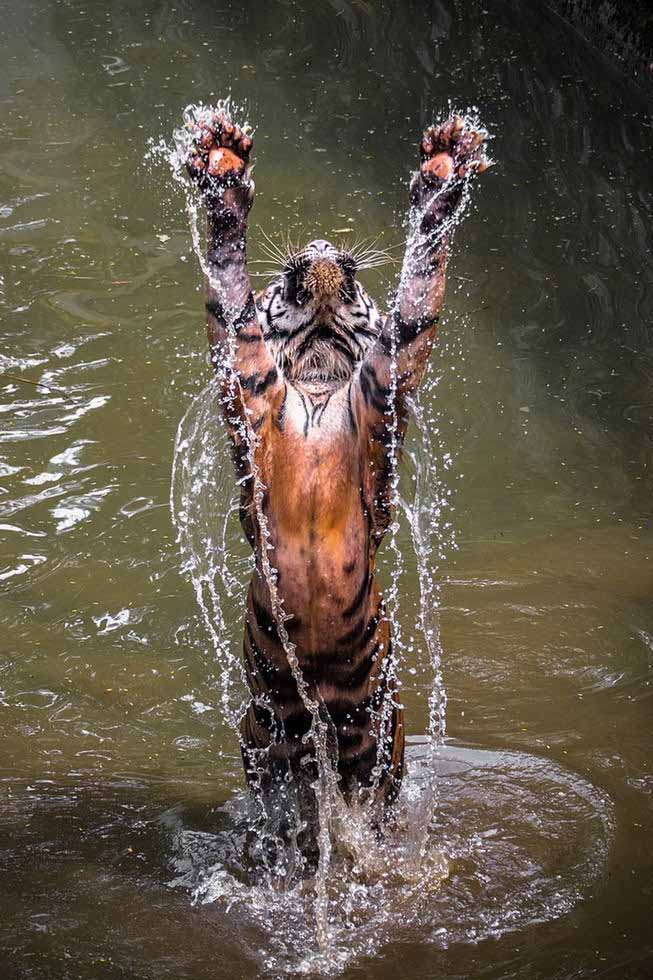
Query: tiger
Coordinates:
[316,384]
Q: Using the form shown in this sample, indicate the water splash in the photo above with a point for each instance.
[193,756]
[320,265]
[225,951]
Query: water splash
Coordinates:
[518,857]
[204,502]
[205,511]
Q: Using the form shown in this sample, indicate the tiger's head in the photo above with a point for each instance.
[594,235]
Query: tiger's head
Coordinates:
[316,317]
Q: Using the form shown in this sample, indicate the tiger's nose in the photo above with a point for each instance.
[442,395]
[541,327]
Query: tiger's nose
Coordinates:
[322,246]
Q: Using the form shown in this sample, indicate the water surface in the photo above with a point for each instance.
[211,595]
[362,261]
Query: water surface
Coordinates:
[112,739]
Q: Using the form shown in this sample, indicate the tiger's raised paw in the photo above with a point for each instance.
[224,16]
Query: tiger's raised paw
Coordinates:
[453,149]
[219,151]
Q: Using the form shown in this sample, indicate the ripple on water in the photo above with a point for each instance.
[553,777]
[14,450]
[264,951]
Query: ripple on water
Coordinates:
[516,839]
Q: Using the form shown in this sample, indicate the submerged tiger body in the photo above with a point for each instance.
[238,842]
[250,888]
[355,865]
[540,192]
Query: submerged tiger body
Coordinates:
[316,383]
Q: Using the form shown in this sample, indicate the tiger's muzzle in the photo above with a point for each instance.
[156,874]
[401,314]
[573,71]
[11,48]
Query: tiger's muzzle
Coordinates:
[324,278]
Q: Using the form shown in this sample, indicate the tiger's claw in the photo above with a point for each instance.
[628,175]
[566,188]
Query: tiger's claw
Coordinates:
[219,151]
[452,149]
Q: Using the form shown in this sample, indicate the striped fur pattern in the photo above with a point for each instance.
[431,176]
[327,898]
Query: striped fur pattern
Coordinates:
[326,523]
[318,337]
[313,372]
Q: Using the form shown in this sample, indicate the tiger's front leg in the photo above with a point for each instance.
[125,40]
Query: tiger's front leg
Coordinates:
[393,368]
[218,162]
[451,155]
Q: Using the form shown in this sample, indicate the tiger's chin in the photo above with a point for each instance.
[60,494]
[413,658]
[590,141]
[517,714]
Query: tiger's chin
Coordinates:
[322,364]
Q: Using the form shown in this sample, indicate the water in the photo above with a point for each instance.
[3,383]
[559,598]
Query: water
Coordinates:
[116,744]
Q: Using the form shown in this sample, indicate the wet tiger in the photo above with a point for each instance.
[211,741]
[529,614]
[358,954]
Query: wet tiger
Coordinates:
[314,378]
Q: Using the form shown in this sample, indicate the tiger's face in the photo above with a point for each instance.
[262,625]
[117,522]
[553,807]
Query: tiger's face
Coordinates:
[316,317]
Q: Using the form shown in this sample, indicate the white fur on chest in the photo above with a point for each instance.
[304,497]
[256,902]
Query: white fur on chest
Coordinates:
[317,421]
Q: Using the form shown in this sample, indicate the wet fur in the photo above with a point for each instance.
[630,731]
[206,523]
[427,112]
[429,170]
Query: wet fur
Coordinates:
[318,337]
[320,378]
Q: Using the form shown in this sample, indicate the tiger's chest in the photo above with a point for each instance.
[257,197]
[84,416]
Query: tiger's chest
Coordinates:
[314,459]
[316,509]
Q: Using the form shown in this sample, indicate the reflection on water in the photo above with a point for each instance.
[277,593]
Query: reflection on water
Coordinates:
[108,708]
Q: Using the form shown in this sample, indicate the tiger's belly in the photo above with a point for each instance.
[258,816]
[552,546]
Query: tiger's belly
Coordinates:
[341,642]
[318,515]
[319,524]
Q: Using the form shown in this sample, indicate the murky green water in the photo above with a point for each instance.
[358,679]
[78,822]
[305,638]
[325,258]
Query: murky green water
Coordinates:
[112,745]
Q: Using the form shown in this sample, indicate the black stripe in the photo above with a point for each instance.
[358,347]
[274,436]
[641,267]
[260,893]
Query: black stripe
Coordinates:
[264,619]
[365,388]
[359,765]
[337,667]
[347,673]
[367,517]
[279,682]
[215,309]
[259,712]
[268,308]
[370,629]
[297,723]
[365,300]
[258,663]
[326,402]
[250,338]
[291,334]
[281,414]
[269,379]
[343,712]
[362,671]
[385,340]
[257,385]
[265,667]
[368,331]
[350,410]
[409,330]
[308,418]
[341,345]
[246,315]
[293,623]
[309,338]
[284,331]
[374,393]
[379,390]
[353,634]
[360,595]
